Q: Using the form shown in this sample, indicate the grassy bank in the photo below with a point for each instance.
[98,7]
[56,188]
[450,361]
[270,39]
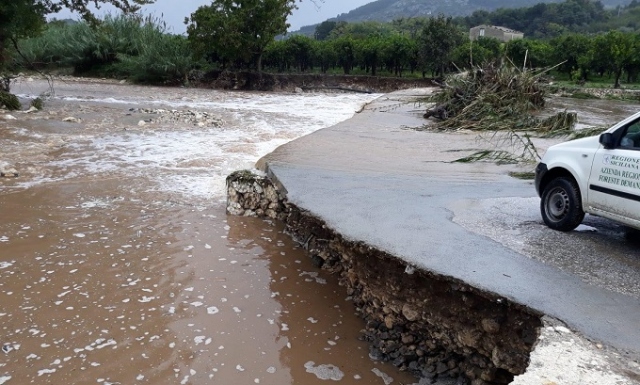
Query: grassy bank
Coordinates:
[130,47]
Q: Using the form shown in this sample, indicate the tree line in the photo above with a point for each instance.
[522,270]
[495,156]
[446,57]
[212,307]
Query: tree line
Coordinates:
[245,34]
[549,20]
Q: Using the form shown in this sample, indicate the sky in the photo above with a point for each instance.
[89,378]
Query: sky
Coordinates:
[174,11]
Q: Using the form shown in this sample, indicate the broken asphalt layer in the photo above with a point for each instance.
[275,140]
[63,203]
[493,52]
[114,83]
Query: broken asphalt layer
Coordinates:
[372,179]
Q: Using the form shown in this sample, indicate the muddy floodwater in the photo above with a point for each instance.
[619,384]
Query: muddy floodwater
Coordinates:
[119,265]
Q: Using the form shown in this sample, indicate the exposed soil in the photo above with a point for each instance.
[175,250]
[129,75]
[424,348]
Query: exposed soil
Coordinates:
[430,325]
[305,82]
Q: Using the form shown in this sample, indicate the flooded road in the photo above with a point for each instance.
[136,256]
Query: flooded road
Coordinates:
[119,265]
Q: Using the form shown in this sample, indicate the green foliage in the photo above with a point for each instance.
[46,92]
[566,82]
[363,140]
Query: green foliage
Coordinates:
[479,52]
[61,45]
[240,34]
[159,58]
[26,18]
[399,52]
[122,46]
[325,55]
[536,52]
[276,56]
[548,20]
[237,31]
[363,30]
[572,52]
[615,51]
[9,101]
[298,50]
[369,54]
[544,19]
[324,29]
[524,175]
[37,103]
[344,46]
[438,40]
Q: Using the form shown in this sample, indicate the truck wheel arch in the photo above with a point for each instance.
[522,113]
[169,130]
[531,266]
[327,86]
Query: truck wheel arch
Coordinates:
[556,173]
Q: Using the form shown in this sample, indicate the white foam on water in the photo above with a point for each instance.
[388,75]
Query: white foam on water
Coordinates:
[385,377]
[45,371]
[194,162]
[4,265]
[4,379]
[324,371]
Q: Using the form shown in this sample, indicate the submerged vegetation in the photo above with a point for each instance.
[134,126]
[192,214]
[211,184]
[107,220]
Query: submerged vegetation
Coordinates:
[9,101]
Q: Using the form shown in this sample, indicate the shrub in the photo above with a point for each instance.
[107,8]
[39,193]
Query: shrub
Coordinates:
[9,101]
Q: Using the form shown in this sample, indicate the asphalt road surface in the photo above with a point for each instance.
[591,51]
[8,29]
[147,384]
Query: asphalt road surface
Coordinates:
[374,180]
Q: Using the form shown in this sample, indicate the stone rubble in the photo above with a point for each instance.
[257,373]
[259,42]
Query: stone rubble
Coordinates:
[252,195]
[7,171]
[432,326]
[195,118]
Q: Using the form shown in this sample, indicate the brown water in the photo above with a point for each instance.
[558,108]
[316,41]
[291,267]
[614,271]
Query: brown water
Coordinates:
[142,291]
[108,276]
[119,265]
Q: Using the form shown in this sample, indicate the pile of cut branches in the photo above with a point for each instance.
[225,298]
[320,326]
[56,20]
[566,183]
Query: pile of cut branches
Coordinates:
[496,97]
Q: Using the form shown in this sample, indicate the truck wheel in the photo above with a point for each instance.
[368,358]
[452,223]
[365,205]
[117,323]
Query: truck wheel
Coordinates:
[561,206]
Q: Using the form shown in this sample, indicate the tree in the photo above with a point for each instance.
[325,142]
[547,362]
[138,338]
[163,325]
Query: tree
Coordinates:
[368,53]
[323,30]
[345,48]
[25,18]
[483,50]
[397,52]
[573,51]
[438,40]
[325,55]
[276,56]
[633,66]
[615,50]
[238,31]
[299,49]
[536,53]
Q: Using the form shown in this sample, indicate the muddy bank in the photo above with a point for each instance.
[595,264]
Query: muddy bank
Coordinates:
[251,81]
[119,264]
[431,325]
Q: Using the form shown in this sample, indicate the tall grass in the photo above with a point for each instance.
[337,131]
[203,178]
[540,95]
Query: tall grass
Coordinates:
[124,46]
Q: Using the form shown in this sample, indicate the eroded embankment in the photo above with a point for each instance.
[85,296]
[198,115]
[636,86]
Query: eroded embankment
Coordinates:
[251,81]
[434,326]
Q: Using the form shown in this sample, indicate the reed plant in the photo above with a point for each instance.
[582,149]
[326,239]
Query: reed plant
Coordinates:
[496,97]
[501,101]
[123,46]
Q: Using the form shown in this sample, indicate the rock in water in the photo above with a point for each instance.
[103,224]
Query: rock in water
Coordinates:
[7,171]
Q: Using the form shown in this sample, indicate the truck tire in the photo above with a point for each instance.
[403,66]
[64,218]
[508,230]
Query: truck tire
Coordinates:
[561,205]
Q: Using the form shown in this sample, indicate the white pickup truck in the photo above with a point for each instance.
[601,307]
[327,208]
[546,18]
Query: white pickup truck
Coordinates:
[599,175]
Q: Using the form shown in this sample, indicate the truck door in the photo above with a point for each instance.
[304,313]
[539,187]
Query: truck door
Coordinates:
[614,182]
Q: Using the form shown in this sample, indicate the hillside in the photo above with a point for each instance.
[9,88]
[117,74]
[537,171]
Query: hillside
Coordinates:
[388,10]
